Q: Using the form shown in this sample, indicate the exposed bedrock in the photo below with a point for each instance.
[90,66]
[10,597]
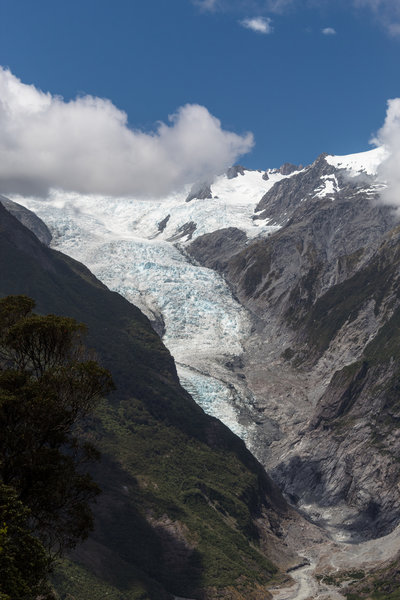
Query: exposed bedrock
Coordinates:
[323,359]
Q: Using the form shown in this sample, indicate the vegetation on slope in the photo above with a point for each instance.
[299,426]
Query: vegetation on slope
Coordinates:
[180,492]
[24,563]
[382,584]
[47,387]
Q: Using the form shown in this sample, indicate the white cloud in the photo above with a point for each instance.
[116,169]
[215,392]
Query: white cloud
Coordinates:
[328,31]
[85,145]
[258,24]
[207,4]
[393,28]
[260,6]
[389,137]
[378,4]
[385,12]
[279,6]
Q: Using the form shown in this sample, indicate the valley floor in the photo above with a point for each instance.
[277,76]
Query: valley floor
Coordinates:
[332,566]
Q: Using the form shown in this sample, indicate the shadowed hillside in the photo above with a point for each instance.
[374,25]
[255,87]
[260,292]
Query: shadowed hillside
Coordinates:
[181,494]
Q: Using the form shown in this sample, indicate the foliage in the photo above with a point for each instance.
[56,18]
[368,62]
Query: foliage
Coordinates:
[153,439]
[48,386]
[23,560]
[208,495]
[75,581]
[381,584]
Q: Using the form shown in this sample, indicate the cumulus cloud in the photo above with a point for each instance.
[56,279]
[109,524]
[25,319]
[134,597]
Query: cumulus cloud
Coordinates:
[85,145]
[389,137]
[258,24]
[328,31]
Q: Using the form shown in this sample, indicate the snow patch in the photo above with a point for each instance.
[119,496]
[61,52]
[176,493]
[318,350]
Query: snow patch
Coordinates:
[362,162]
[328,186]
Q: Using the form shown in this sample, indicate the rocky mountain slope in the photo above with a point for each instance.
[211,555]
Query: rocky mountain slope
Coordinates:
[277,295]
[185,510]
[324,287]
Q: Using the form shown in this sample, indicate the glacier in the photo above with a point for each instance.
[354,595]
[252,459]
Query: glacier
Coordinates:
[120,241]
[136,246]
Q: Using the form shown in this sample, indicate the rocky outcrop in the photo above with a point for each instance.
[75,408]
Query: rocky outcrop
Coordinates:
[29,219]
[214,250]
[199,191]
[184,231]
[323,361]
[350,451]
[324,241]
[234,171]
[163,223]
[288,168]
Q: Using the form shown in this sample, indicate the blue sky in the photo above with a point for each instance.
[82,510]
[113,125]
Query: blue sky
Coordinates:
[298,90]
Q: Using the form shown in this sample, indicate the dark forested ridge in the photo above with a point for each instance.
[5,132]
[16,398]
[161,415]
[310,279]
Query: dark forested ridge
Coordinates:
[185,510]
[49,385]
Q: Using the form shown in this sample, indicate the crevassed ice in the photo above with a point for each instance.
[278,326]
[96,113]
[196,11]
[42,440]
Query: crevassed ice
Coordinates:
[214,396]
[204,325]
[120,240]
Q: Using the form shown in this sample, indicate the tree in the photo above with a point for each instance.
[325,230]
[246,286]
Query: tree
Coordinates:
[24,562]
[49,384]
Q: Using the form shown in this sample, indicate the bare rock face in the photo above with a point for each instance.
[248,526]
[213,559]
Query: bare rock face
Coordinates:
[29,219]
[199,191]
[234,171]
[215,249]
[184,231]
[287,195]
[351,449]
[288,168]
[324,240]
[323,362]
[163,223]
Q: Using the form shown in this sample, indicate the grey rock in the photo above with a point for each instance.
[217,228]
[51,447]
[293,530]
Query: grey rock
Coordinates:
[323,242]
[184,231]
[214,250]
[234,171]
[288,168]
[29,219]
[280,202]
[324,288]
[162,224]
[200,191]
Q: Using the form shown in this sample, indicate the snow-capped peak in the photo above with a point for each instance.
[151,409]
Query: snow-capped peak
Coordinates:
[360,163]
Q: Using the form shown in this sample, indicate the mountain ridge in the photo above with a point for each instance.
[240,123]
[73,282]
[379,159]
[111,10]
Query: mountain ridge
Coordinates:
[153,438]
[294,345]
